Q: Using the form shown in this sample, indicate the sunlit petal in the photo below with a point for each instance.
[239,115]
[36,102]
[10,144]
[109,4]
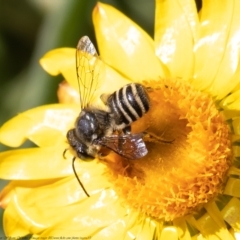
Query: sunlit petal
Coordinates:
[182,229]
[13,224]
[45,125]
[143,228]
[111,82]
[231,85]
[215,214]
[35,163]
[79,219]
[176,26]
[232,187]
[215,20]
[111,228]
[231,213]
[8,191]
[210,228]
[226,78]
[124,45]
[105,200]
[169,233]
[232,101]
[63,61]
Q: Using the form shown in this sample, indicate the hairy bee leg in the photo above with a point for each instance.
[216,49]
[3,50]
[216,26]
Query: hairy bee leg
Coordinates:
[151,137]
[79,181]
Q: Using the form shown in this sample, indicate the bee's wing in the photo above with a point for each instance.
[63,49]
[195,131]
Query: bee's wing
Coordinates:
[88,68]
[130,146]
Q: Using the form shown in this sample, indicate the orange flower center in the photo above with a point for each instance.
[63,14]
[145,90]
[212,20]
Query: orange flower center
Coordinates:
[189,153]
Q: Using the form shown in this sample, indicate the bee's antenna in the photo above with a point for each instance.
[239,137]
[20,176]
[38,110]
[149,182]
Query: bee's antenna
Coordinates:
[64,153]
[75,173]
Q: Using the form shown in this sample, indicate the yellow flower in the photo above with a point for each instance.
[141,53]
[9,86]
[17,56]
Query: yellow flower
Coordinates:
[187,189]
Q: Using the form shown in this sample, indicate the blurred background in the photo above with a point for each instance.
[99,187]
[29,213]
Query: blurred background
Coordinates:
[30,28]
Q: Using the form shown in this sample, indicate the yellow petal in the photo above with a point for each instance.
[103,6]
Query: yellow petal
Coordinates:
[67,94]
[234,171]
[231,213]
[231,102]
[233,187]
[12,224]
[211,229]
[225,80]
[143,228]
[125,46]
[169,233]
[235,138]
[130,226]
[199,237]
[84,218]
[113,231]
[8,191]
[182,229]
[236,150]
[35,163]
[193,223]
[110,82]
[6,195]
[19,220]
[43,163]
[209,49]
[43,125]
[229,114]
[236,234]
[90,220]
[63,61]
[236,125]
[176,25]
[215,214]
[58,193]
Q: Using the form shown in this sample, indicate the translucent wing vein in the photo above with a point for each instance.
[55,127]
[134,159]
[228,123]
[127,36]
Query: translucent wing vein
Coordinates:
[88,68]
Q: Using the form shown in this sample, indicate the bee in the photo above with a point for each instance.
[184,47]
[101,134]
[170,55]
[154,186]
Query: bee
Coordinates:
[111,128]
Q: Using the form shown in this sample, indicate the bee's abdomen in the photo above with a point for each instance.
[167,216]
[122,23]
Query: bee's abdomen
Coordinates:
[128,103]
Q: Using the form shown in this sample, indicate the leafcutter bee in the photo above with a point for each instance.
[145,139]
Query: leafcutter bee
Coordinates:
[111,128]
